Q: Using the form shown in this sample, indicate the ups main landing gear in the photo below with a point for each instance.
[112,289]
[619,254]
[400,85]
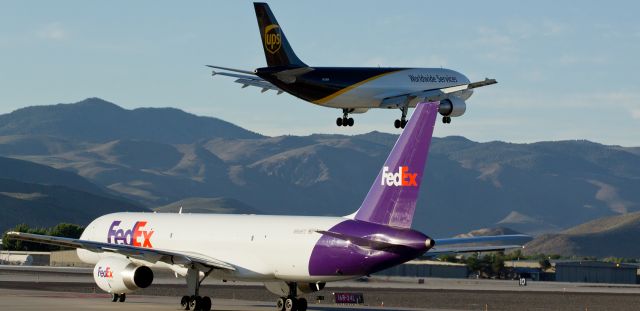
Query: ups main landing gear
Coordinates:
[291,303]
[345,120]
[195,302]
[403,119]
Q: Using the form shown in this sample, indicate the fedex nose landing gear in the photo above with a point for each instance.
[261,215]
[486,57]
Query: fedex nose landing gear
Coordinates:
[446,120]
[403,120]
[291,303]
[345,120]
[118,297]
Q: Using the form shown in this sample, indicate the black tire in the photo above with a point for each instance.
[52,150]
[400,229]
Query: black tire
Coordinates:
[114,297]
[403,123]
[350,121]
[290,304]
[396,123]
[206,304]
[339,121]
[198,304]
[345,122]
[280,304]
[123,297]
[302,304]
[193,302]
[184,302]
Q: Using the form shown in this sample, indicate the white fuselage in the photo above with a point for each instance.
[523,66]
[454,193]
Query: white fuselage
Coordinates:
[371,93]
[261,248]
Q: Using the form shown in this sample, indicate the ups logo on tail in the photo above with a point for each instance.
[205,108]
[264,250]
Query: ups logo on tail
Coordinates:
[272,38]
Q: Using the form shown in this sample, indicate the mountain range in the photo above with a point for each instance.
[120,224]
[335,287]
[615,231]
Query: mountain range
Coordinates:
[42,196]
[614,236]
[166,158]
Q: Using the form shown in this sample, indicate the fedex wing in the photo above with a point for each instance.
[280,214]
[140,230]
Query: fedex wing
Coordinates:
[149,255]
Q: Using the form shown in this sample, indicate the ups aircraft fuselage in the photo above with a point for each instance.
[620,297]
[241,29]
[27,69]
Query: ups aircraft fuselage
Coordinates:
[363,88]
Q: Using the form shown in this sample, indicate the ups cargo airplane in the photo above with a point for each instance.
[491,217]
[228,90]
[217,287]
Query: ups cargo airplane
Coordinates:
[354,90]
[291,255]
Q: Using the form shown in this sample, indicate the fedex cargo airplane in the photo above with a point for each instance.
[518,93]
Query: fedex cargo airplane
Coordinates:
[291,255]
[354,90]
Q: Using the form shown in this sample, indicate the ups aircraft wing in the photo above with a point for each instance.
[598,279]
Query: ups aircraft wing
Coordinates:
[246,78]
[433,95]
[477,244]
[151,255]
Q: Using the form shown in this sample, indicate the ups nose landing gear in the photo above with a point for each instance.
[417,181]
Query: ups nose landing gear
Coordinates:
[403,120]
[345,120]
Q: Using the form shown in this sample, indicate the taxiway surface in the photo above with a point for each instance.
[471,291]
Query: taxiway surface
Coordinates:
[56,289]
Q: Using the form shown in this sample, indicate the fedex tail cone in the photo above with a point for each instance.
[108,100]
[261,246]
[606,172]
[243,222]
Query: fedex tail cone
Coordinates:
[393,196]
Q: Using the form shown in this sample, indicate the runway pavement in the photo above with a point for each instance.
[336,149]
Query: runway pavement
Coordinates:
[37,289]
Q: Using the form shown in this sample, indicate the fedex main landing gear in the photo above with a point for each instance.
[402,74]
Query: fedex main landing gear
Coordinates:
[403,120]
[291,303]
[345,120]
[195,302]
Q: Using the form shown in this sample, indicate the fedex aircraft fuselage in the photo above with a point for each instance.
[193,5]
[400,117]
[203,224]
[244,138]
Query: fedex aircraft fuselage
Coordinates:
[261,248]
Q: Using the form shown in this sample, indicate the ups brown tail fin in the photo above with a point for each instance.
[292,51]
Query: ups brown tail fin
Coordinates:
[276,47]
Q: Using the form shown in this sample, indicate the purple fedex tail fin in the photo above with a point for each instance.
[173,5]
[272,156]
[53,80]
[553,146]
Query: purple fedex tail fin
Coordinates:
[392,198]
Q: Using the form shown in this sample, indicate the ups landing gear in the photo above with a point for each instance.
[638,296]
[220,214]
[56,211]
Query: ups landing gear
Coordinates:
[195,302]
[291,303]
[345,120]
[402,122]
[446,120]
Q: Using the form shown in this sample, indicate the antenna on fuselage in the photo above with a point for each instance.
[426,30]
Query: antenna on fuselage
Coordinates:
[180,211]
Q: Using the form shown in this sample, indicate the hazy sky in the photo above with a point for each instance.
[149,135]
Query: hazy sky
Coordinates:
[566,69]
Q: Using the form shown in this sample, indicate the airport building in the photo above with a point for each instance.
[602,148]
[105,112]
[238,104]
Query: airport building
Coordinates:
[67,258]
[22,258]
[596,272]
[427,268]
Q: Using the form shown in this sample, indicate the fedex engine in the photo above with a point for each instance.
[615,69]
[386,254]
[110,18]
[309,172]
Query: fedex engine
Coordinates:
[118,275]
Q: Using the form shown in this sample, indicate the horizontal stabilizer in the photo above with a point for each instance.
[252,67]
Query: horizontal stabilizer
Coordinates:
[513,238]
[232,69]
[491,243]
[437,251]
[246,78]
